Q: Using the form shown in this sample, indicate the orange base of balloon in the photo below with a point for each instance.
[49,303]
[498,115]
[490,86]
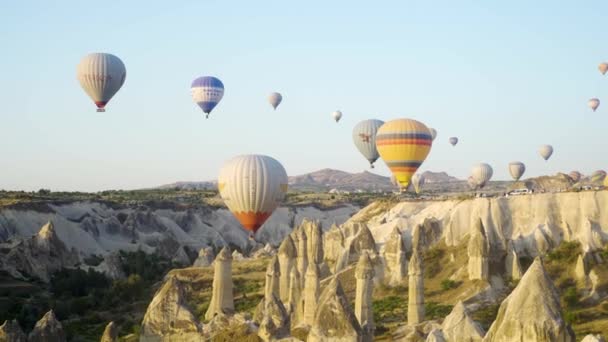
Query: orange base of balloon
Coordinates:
[252,221]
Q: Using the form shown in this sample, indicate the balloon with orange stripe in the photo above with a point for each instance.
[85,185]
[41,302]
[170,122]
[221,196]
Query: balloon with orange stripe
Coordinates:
[403,144]
[252,187]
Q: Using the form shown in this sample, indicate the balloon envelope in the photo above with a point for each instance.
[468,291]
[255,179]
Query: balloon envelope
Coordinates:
[482,173]
[593,103]
[453,141]
[545,151]
[101,75]
[517,169]
[575,176]
[207,92]
[603,67]
[337,115]
[252,187]
[275,99]
[472,183]
[418,181]
[403,144]
[598,176]
[433,133]
[364,137]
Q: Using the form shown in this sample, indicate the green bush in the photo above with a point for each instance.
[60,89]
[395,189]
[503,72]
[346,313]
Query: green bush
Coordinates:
[571,297]
[448,284]
[436,311]
[566,252]
[486,315]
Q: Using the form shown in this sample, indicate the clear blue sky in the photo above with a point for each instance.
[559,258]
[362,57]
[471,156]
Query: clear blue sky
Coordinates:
[505,78]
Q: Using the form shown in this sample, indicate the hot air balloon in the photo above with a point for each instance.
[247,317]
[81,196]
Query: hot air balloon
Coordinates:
[603,67]
[275,99]
[472,183]
[606,182]
[207,92]
[364,136]
[433,133]
[575,176]
[252,187]
[418,181]
[403,144]
[337,115]
[545,151]
[453,141]
[593,103]
[101,75]
[482,173]
[517,169]
[598,176]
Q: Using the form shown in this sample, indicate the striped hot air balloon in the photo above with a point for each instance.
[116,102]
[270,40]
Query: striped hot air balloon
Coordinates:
[364,137]
[207,92]
[453,141]
[252,187]
[598,176]
[418,181]
[101,75]
[517,169]
[545,151]
[433,133]
[472,183]
[275,100]
[482,173]
[403,144]
[575,176]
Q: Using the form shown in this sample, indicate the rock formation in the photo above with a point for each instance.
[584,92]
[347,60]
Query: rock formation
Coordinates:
[110,334]
[315,243]
[364,274]
[168,317]
[222,300]
[311,293]
[111,266]
[272,278]
[362,242]
[302,259]
[512,265]
[435,335]
[181,257]
[581,270]
[395,259]
[334,319]
[205,257]
[10,331]
[415,308]
[477,250]
[537,297]
[38,256]
[48,329]
[287,261]
[237,256]
[295,302]
[593,338]
[275,322]
[459,326]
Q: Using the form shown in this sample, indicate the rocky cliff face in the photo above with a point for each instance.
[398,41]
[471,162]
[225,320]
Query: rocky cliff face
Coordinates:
[10,331]
[48,329]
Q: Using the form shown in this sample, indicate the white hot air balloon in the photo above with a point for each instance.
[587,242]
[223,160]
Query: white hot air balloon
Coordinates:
[482,173]
[418,181]
[275,99]
[364,137]
[593,103]
[517,169]
[337,115]
[433,133]
[453,141]
[101,75]
[252,187]
[545,151]
[575,176]
[603,68]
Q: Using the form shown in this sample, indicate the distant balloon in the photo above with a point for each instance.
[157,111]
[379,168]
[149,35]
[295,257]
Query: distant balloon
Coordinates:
[606,182]
[453,141]
[252,187]
[598,176]
[545,151]
[403,144]
[418,181]
[603,67]
[364,137]
[575,176]
[433,133]
[593,103]
[337,115]
[207,92]
[482,173]
[101,75]
[472,183]
[275,99]
[517,170]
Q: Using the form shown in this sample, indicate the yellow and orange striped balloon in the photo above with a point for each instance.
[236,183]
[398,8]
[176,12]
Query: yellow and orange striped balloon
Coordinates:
[403,144]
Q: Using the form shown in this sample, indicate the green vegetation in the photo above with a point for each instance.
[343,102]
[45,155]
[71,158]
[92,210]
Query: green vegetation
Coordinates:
[448,284]
[567,252]
[432,261]
[436,311]
[486,315]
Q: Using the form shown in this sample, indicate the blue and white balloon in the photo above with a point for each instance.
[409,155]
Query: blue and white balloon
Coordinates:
[207,92]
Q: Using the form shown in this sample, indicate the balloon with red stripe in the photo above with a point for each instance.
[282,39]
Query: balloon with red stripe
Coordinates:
[403,144]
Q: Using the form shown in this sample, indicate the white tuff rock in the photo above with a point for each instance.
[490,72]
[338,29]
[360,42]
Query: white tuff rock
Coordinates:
[459,326]
[395,259]
[205,257]
[415,307]
[275,322]
[110,333]
[311,293]
[364,275]
[273,272]
[222,298]
[593,338]
[477,250]
[48,329]
[287,261]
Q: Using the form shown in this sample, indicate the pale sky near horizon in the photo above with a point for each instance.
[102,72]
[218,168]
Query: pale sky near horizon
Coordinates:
[505,78]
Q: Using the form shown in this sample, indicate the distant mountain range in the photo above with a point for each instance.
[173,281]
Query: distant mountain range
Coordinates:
[327,179]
